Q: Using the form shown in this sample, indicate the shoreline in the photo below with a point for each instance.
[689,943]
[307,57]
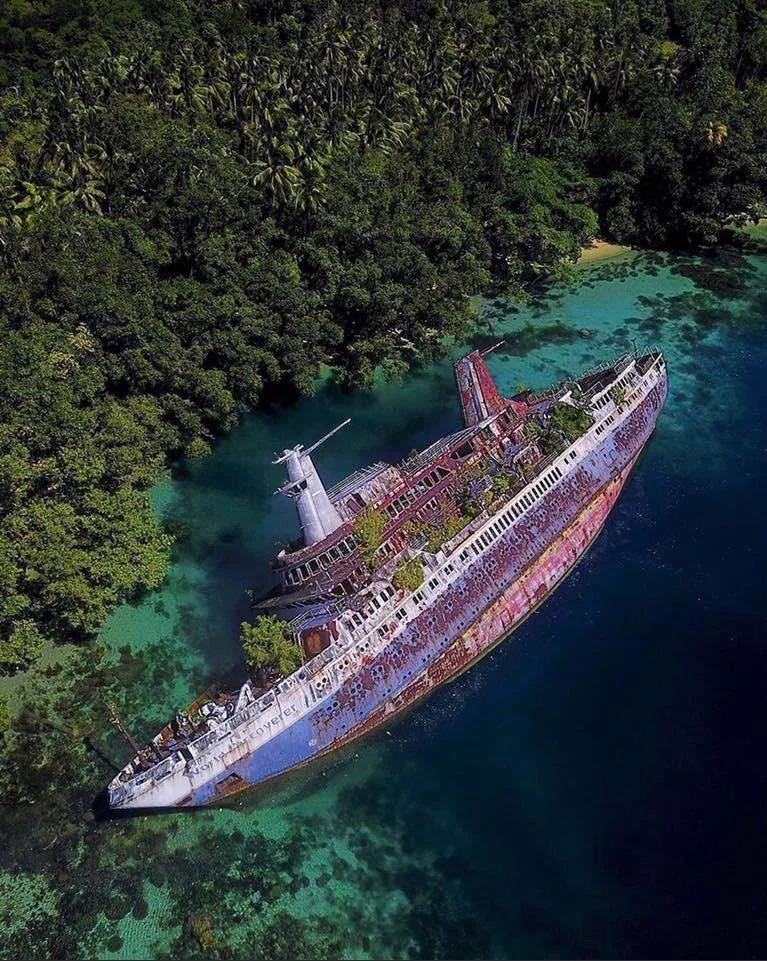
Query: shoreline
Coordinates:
[599,251]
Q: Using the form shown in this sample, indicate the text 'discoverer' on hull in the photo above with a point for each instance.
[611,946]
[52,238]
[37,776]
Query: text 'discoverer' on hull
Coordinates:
[485,523]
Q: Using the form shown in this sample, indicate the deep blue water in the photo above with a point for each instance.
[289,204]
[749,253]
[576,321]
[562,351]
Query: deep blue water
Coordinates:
[594,788]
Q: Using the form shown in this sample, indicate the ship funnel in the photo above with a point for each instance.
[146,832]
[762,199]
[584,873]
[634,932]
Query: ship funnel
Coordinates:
[316,513]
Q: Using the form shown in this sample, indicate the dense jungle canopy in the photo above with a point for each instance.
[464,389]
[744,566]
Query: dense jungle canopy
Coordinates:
[202,201]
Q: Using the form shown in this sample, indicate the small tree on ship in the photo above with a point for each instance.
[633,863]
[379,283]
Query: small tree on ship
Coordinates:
[618,394]
[369,527]
[408,576]
[440,532]
[573,422]
[269,652]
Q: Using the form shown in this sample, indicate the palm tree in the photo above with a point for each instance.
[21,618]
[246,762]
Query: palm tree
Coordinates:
[716,134]
[278,175]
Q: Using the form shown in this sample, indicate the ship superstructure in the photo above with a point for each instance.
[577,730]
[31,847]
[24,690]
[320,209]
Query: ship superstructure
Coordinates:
[485,523]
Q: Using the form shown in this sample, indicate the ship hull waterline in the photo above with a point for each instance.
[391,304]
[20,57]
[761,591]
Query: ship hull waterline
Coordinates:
[396,645]
[492,626]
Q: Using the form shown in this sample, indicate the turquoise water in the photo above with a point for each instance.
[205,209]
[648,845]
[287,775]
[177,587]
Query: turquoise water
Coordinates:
[592,788]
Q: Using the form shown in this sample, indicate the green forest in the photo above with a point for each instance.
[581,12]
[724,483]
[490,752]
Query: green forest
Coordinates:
[204,201]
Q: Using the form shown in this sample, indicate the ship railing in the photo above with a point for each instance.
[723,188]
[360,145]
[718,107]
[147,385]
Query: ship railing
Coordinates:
[600,368]
[296,624]
[371,640]
[648,350]
[263,703]
[419,542]
[476,522]
[153,774]
[355,480]
[412,464]
[373,636]
[599,389]
[585,399]
[551,392]
[545,462]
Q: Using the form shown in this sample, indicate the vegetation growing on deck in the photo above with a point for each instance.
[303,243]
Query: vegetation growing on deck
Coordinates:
[369,527]
[409,575]
[571,421]
[269,651]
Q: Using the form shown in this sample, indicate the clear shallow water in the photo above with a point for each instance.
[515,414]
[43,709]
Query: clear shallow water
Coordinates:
[595,787]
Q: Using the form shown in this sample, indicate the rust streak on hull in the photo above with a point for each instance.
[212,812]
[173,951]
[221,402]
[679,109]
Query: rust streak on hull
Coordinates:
[482,638]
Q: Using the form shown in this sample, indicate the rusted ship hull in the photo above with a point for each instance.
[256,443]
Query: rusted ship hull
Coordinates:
[508,613]
[466,621]
[384,653]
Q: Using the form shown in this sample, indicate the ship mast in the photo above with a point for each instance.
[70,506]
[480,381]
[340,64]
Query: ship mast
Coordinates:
[114,719]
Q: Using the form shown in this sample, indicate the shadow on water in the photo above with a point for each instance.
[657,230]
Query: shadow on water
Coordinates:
[520,343]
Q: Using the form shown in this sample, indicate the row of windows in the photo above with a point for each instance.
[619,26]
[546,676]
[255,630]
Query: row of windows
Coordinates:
[311,568]
[601,428]
[322,561]
[502,523]
[512,512]
[499,526]
[400,503]
[624,380]
[376,603]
